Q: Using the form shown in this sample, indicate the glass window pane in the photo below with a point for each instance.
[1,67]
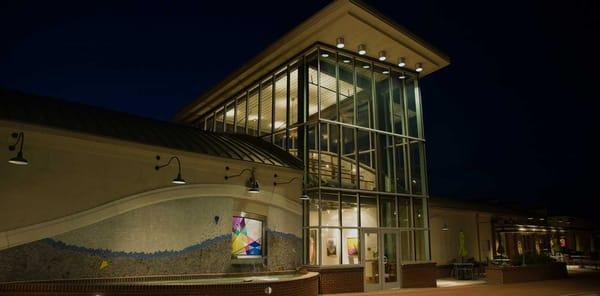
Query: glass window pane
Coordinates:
[406,244]
[294,96]
[404,212]
[346,88]
[327,84]
[400,169]
[364,95]
[229,114]
[349,210]
[420,211]
[266,107]
[330,208]
[219,120]
[387,211]
[412,108]
[313,156]
[280,102]
[312,239]
[330,246]
[240,116]
[386,163]
[348,169]
[313,209]
[311,64]
[253,112]
[421,245]
[417,168]
[210,123]
[279,140]
[350,246]
[329,155]
[390,241]
[383,101]
[366,160]
[292,142]
[398,103]
[368,211]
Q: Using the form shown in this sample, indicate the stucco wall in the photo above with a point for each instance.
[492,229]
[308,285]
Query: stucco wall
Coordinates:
[70,173]
[87,206]
[444,244]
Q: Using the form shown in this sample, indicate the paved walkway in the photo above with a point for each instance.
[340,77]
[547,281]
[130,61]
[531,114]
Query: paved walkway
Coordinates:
[577,284]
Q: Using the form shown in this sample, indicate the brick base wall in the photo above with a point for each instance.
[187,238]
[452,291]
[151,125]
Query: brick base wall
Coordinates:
[517,274]
[419,275]
[339,279]
[443,271]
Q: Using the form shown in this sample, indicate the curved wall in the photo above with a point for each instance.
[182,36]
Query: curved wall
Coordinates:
[93,207]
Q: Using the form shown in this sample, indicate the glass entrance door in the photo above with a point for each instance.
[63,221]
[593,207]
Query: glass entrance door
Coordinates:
[389,258]
[371,260]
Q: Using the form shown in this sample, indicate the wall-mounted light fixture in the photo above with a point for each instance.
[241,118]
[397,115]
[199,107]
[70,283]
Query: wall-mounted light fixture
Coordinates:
[178,180]
[401,62]
[445,227]
[419,67]
[382,56]
[304,196]
[19,159]
[362,49]
[251,183]
[339,43]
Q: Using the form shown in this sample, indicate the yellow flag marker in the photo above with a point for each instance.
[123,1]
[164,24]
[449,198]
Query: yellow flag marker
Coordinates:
[103,264]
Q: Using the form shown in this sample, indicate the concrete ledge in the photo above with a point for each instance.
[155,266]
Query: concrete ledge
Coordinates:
[518,274]
[419,275]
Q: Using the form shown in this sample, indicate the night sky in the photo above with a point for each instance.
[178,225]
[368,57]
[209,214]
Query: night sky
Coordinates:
[514,117]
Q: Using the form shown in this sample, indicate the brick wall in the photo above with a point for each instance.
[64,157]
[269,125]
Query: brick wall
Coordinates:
[516,274]
[419,275]
[339,279]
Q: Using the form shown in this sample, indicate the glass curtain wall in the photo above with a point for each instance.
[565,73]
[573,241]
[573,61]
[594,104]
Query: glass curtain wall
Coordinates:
[356,123]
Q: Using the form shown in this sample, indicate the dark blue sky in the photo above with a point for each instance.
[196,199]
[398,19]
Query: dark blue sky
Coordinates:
[514,117]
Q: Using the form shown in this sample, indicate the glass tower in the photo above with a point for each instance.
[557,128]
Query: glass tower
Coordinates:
[356,123]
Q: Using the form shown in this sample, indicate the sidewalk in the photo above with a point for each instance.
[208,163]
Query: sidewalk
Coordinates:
[580,283]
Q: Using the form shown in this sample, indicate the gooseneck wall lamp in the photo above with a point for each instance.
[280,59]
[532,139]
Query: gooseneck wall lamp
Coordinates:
[251,183]
[19,159]
[304,196]
[178,180]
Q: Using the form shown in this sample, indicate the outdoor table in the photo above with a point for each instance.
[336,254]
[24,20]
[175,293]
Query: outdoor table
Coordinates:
[463,271]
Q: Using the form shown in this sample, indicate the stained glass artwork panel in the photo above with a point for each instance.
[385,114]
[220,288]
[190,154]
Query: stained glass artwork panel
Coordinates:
[246,237]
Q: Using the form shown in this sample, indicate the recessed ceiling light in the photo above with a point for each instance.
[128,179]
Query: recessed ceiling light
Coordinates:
[382,56]
[346,61]
[325,54]
[366,66]
[362,49]
[401,62]
[385,72]
[402,76]
[419,67]
[339,43]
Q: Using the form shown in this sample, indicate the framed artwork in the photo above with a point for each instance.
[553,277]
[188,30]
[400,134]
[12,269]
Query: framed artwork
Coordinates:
[352,245]
[246,237]
[331,247]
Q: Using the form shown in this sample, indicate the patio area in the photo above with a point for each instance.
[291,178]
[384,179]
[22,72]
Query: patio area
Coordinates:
[580,282]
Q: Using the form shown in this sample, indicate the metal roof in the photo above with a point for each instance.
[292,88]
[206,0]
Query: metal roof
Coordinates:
[51,112]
